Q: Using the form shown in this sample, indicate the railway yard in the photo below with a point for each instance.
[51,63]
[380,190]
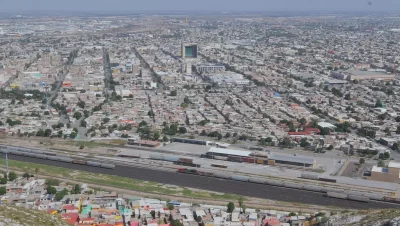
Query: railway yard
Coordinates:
[305,187]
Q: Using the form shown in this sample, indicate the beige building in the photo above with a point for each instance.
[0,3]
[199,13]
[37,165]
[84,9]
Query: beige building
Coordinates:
[389,174]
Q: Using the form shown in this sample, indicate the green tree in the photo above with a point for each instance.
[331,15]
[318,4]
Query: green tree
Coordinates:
[3,180]
[227,135]
[153,214]
[68,125]
[81,104]
[156,135]
[151,113]
[73,135]
[378,104]
[361,161]
[303,121]
[268,140]
[26,175]
[182,130]
[37,172]
[231,207]
[51,190]
[174,93]
[240,202]
[381,163]
[83,123]
[61,194]
[106,120]
[170,206]
[12,176]
[77,189]
[165,139]
[176,223]
[3,190]
[52,182]
[77,115]
[142,123]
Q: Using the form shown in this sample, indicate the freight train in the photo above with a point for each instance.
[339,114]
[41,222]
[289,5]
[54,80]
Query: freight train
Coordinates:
[312,176]
[52,156]
[330,191]
[176,160]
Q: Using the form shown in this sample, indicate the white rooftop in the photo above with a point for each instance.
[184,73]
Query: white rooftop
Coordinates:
[326,125]
[227,151]
[393,164]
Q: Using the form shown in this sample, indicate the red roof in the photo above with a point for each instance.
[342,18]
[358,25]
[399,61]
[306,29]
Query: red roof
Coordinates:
[69,207]
[70,218]
[299,133]
[312,130]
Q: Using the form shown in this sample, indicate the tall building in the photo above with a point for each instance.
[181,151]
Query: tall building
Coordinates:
[189,50]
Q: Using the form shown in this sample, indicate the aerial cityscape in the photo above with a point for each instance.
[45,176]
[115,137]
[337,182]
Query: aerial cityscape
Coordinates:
[200,118]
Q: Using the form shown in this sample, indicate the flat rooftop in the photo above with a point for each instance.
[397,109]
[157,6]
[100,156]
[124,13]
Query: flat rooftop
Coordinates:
[226,151]
[393,164]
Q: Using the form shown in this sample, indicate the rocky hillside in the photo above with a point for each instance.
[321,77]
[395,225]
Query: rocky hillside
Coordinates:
[365,218]
[17,216]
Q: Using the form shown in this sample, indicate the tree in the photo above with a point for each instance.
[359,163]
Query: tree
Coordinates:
[304,143]
[3,180]
[231,207]
[77,189]
[68,125]
[203,133]
[165,139]
[12,176]
[40,133]
[182,130]
[330,147]
[381,163]
[268,140]
[75,130]
[37,172]
[3,190]
[240,202]
[227,135]
[142,123]
[51,190]
[170,206]
[73,135]
[47,132]
[26,175]
[176,223]
[83,123]
[52,182]
[303,121]
[151,113]
[386,155]
[219,136]
[46,113]
[156,135]
[173,93]
[325,131]
[362,161]
[61,194]
[398,130]
[106,120]
[378,103]
[153,214]
[77,115]
[81,104]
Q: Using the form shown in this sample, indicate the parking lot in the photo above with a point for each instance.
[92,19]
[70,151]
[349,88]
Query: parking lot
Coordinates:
[355,170]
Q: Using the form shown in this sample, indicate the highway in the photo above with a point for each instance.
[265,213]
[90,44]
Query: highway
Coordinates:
[217,185]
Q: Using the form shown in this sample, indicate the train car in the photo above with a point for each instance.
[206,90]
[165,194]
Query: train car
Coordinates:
[235,159]
[239,178]
[94,164]
[391,199]
[358,198]
[219,165]
[256,180]
[186,160]
[205,173]
[188,171]
[327,180]
[65,159]
[187,164]
[310,176]
[107,166]
[222,175]
[79,162]
[129,156]
[337,195]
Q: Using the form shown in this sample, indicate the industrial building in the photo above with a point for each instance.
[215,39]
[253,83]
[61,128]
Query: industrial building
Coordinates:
[277,157]
[293,160]
[189,50]
[389,174]
[210,68]
[190,141]
[363,74]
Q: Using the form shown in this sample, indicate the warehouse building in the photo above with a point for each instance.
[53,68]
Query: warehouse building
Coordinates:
[293,160]
[190,141]
[225,152]
[389,174]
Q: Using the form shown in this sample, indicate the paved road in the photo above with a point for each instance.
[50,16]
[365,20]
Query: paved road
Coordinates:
[218,185]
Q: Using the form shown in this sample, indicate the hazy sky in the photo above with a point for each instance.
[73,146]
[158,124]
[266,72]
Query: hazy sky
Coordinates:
[200,5]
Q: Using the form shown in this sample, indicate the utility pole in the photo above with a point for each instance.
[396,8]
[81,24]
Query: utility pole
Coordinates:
[7,165]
